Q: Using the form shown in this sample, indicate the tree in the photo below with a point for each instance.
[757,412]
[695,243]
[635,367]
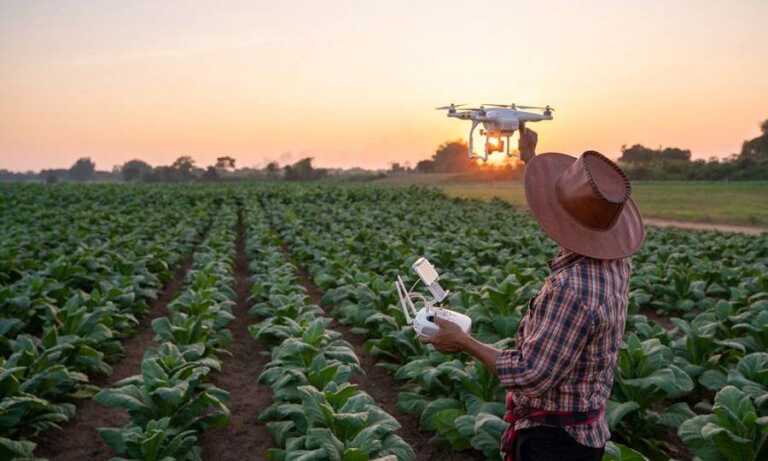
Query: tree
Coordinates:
[164,174]
[425,166]
[211,174]
[638,153]
[303,171]
[273,169]
[82,170]
[451,157]
[755,151]
[134,170]
[225,163]
[675,154]
[184,166]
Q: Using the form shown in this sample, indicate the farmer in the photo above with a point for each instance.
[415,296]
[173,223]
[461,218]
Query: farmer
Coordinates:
[559,375]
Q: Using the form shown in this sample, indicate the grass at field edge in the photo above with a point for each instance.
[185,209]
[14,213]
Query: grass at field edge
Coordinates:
[737,203]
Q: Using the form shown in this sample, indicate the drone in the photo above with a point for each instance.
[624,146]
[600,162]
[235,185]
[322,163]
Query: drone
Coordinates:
[499,120]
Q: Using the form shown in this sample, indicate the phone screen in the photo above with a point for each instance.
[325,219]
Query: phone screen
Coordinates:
[425,270]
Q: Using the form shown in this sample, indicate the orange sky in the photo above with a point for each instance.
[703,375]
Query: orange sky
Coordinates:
[355,82]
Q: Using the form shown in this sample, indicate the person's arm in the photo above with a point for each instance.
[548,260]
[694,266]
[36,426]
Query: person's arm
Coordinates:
[450,338]
[562,327]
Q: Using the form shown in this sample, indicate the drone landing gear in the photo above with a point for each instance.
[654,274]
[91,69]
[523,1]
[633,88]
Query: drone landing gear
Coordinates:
[470,147]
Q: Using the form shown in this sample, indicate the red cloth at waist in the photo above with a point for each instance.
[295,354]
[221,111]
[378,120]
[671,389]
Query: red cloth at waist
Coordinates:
[549,418]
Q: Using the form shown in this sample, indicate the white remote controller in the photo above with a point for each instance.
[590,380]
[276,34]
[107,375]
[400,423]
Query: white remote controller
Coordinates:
[423,321]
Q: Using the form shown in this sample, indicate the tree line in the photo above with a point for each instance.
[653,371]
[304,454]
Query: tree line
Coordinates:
[751,163]
[183,169]
[640,162]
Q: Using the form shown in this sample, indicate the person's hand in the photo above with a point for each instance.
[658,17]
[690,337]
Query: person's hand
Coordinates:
[449,338]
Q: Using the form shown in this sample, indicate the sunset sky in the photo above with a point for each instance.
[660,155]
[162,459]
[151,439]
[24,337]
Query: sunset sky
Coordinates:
[356,82]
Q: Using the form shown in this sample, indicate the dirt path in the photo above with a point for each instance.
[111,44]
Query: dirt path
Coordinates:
[78,439]
[384,389]
[663,320]
[749,230]
[245,437]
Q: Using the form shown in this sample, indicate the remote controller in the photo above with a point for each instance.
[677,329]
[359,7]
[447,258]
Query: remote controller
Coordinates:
[423,320]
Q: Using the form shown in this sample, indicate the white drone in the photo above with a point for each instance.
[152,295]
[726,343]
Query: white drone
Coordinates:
[500,120]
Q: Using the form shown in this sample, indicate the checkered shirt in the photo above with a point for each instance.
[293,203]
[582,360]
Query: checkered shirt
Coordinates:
[568,342]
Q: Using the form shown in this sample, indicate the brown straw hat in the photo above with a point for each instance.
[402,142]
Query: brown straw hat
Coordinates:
[584,205]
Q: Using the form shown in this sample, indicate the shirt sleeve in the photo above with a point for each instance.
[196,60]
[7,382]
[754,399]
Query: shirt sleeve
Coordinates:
[559,329]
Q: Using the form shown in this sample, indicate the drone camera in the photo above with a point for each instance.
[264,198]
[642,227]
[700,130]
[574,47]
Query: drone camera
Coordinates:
[494,145]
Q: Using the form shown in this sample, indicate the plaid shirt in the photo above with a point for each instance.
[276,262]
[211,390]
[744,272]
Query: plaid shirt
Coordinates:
[568,342]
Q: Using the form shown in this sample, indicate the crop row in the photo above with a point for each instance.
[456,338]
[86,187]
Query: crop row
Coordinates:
[121,253]
[42,224]
[61,320]
[317,414]
[353,246]
[171,402]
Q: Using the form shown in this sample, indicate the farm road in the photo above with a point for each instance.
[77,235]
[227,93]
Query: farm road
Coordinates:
[749,230]
[244,437]
[78,439]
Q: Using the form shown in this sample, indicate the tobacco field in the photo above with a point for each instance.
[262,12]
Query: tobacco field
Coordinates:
[239,321]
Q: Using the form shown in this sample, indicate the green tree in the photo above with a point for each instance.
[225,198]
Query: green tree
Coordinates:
[755,151]
[225,163]
[425,166]
[272,169]
[675,154]
[134,170]
[638,153]
[184,166]
[451,157]
[303,171]
[211,174]
[83,169]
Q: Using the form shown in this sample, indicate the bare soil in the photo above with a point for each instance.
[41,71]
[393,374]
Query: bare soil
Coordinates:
[662,320]
[245,437]
[380,384]
[78,439]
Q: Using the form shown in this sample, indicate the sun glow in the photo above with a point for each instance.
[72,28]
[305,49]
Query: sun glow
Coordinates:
[498,159]
[199,71]
[497,156]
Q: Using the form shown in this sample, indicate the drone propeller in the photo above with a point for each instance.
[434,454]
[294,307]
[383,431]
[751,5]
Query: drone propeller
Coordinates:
[500,105]
[449,107]
[547,108]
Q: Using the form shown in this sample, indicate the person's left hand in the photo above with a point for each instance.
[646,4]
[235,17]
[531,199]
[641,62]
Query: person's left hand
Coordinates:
[449,338]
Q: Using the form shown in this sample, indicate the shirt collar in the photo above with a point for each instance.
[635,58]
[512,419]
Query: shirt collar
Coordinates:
[563,259]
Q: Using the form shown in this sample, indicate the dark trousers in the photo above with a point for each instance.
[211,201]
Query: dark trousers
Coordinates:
[544,443]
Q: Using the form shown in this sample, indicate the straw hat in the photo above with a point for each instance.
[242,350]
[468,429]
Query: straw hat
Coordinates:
[584,204]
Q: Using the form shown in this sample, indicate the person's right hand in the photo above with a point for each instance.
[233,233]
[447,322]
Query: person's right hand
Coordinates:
[449,338]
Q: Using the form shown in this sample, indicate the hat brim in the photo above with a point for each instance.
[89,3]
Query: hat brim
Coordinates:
[622,240]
